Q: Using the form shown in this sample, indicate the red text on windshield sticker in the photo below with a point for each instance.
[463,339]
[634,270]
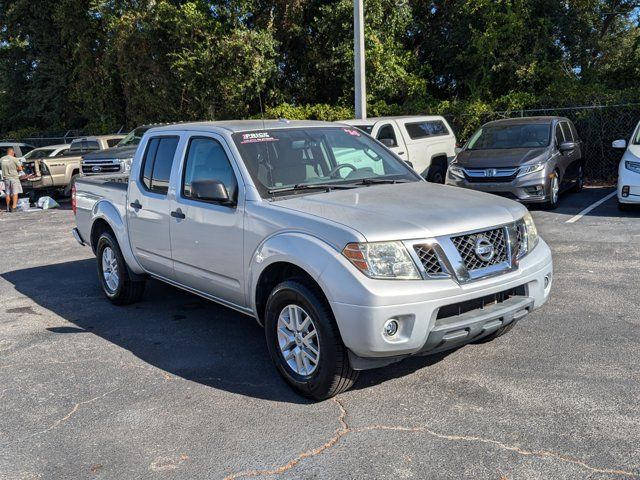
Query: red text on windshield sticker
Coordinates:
[256,137]
[352,132]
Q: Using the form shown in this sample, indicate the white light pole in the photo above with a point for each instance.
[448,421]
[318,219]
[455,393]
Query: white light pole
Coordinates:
[358,50]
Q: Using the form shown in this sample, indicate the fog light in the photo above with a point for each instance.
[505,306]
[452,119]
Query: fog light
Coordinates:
[391,328]
[547,280]
[625,191]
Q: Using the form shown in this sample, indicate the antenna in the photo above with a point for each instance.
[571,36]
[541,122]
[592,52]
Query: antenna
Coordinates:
[261,111]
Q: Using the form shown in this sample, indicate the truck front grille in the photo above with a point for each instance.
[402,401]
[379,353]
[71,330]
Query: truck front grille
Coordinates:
[466,246]
[99,167]
[429,259]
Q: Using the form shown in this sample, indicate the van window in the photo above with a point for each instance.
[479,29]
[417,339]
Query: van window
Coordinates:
[432,128]
[207,160]
[157,163]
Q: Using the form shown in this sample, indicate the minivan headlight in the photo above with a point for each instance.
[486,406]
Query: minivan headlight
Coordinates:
[633,166]
[533,168]
[530,236]
[382,260]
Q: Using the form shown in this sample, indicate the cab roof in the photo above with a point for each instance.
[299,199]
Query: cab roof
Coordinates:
[526,120]
[374,120]
[235,126]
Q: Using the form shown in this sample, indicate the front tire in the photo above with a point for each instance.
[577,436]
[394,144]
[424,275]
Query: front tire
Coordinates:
[113,273]
[304,341]
[623,207]
[554,192]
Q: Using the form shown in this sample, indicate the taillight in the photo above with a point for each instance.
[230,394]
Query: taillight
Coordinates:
[74,205]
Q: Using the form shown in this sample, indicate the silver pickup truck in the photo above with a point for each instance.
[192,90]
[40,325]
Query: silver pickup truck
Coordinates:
[345,255]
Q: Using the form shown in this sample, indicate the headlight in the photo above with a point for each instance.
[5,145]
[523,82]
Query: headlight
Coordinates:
[527,169]
[530,236]
[633,166]
[388,260]
[125,164]
[456,171]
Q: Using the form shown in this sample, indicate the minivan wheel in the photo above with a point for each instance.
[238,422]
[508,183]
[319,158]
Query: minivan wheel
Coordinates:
[554,192]
[579,179]
[304,341]
[113,273]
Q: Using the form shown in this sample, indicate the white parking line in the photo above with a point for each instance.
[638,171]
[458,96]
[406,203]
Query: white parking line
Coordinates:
[591,207]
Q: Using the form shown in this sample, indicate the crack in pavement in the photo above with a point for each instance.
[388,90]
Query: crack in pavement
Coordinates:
[72,412]
[346,429]
[340,432]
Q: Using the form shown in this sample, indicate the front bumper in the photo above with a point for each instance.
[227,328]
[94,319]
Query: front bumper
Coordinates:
[533,188]
[415,306]
[628,186]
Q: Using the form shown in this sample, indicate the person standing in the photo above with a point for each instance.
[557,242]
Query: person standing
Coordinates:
[11,168]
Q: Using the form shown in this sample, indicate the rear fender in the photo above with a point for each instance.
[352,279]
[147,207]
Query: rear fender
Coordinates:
[107,211]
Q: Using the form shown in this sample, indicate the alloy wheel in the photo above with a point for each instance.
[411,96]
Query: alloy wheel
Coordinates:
[298,340]
[110,271]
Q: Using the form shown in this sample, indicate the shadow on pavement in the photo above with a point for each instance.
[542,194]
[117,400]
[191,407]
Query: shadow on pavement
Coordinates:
[571,204]
[175,331]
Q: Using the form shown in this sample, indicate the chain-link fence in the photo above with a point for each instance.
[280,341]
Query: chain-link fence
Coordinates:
[44,139]
[598,126]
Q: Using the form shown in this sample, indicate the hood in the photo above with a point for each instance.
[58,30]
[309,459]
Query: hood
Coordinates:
[115,152]
[498,158]
[632,151]
[407,211]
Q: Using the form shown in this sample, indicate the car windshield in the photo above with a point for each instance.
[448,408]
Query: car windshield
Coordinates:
[531,135]
[39,153]
[134,137]
[328,156]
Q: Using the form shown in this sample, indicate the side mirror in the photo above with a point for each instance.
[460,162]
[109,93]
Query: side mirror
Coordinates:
[210,191]
[388,142]
[567,146]
[622,144]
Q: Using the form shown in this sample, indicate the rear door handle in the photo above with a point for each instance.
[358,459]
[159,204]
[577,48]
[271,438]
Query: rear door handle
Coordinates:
[136,205]
[178,214]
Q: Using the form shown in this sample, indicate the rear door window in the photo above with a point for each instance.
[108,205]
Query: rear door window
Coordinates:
[157,164]
[431,128]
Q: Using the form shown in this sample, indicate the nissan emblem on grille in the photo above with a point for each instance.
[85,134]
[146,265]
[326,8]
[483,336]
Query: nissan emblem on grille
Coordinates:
[484,249]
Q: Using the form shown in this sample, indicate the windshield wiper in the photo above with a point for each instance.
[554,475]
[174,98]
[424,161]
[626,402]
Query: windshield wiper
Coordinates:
[377,181]
[309,186]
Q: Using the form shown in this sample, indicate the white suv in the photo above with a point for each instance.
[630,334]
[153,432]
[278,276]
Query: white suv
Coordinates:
[629,171]
[427,143]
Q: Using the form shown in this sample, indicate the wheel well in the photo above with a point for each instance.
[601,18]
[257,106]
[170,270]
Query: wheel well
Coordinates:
[75,172]
[441,161]
[272,276]
[99,227]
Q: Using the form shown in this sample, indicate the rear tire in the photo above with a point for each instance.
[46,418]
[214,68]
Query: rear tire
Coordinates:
[498,333]
[436,174]
[293,304]
[578,187]
[113,273]
[72,182]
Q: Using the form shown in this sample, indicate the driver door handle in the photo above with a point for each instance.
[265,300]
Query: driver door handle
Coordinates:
[136,205]
[178,214]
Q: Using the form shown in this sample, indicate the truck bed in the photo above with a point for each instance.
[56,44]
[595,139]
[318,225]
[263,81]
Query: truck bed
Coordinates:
[91,190]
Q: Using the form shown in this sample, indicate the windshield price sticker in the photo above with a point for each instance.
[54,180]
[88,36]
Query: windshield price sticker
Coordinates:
[255,137]
[351,131]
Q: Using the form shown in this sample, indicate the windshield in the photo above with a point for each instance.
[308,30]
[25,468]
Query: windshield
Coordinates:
[282,158]
[532,135]
[134,137]
[39,153]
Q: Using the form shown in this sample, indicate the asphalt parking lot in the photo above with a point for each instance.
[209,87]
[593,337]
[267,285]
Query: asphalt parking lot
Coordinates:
[176,387]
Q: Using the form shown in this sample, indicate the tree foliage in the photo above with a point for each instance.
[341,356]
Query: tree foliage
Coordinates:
[103,64]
